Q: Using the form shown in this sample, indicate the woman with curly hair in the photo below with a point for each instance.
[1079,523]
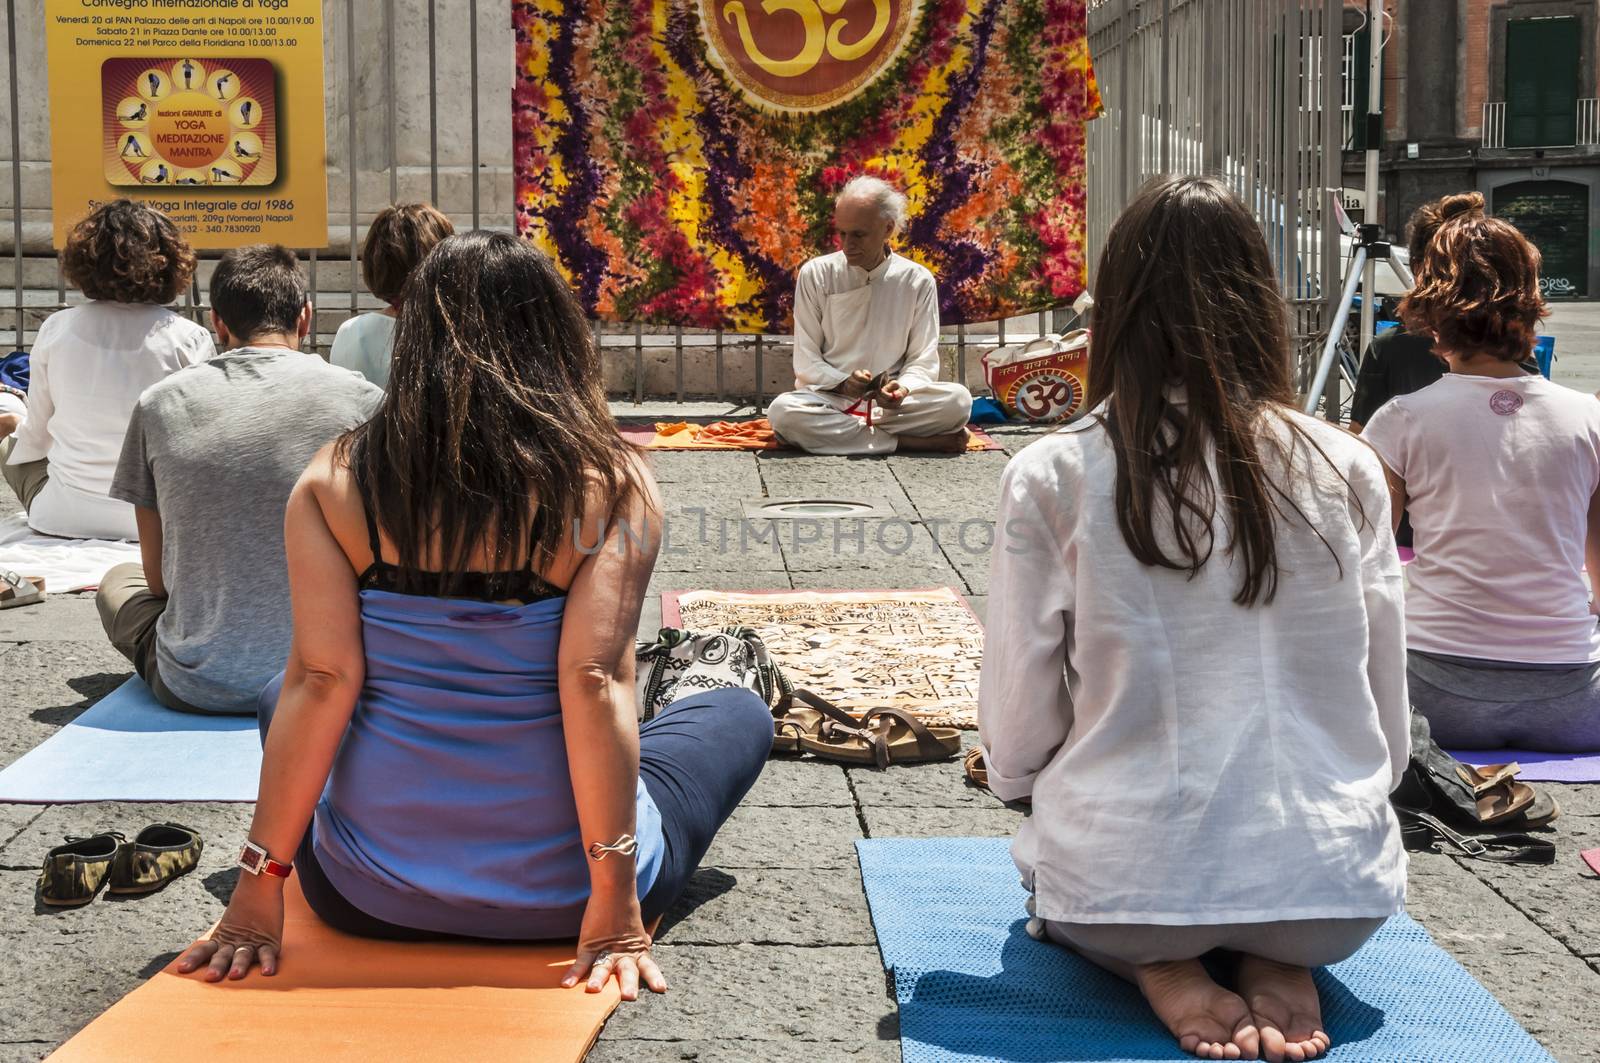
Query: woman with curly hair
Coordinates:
[1500,470]
[90,363]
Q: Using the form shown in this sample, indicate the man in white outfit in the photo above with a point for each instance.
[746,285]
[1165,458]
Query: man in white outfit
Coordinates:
[861,314]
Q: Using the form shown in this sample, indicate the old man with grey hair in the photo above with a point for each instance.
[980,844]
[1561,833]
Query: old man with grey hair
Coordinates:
[866,343]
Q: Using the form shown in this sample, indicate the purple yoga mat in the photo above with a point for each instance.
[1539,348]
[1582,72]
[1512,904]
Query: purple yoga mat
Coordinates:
[1538,767]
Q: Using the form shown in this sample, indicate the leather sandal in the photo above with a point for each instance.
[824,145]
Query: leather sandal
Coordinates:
[976,770]
[1498,793]
[883,737]
[17,590]
[792,723]
[73,873]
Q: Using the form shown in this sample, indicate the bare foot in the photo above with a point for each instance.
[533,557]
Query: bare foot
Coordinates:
[1284,1001]
[946,443]
[1208,1021]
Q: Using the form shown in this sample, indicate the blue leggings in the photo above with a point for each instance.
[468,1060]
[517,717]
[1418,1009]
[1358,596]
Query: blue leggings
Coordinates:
[698,759]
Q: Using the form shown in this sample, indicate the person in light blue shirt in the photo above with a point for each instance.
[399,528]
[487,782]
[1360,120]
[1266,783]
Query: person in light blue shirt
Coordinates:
[399,239]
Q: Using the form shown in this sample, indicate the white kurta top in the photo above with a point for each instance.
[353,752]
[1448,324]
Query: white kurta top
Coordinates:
[86,371]
[1191,760]
[847,319]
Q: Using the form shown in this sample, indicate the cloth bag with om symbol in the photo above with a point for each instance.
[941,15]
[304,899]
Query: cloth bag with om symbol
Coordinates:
[1043,380]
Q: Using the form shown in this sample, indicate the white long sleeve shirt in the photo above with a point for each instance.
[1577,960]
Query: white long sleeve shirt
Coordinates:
[1191,760]
[846,318]
[87,369]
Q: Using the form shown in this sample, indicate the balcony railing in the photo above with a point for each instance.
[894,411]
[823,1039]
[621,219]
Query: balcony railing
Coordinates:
[1494,124]
[1586,127]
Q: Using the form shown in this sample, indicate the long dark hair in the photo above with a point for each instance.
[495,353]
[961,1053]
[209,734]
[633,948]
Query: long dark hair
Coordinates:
[1186,297]
[495,397]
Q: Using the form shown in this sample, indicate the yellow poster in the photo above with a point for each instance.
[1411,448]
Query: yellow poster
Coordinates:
[209,110]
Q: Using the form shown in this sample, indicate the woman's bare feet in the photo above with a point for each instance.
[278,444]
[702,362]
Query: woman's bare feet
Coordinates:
[1287,1010]
[1208,1021]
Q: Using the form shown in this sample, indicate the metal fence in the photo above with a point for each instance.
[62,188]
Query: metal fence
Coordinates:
[452,86]
[1247,90]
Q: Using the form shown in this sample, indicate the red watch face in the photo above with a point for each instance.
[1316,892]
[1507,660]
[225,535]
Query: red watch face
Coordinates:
[251,859]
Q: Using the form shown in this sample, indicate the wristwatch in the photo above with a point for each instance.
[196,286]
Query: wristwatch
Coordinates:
[255,860]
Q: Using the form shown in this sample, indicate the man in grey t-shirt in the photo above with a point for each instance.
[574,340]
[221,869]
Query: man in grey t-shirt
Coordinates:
[211,455]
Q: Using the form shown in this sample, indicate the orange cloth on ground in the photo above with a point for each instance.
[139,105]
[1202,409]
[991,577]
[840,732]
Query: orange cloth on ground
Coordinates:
[338,997]
[718,435]
[741,435]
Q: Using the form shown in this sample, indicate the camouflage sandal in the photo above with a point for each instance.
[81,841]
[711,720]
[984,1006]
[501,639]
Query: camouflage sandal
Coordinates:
[73,873]
[160,853]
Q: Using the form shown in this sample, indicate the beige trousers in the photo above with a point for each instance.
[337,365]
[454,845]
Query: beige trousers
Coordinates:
[129,613]
[27,479]
[815,421]
[1299,942]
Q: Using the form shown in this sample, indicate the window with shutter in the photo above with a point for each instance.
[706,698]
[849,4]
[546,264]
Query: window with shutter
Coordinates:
[1542,82]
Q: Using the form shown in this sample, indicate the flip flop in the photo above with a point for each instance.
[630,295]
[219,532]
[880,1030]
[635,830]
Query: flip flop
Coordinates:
[976,770]
[1497,791]
[883,737]
[793,724]
[18,590]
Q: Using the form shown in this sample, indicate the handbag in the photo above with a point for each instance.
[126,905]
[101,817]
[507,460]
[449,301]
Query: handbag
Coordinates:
[1043,380]
[1436,804]
[680,662]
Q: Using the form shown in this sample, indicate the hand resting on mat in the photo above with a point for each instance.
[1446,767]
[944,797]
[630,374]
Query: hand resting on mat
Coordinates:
[251,932]
[613,942]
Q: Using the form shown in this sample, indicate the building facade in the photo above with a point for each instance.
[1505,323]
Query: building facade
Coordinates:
[1494,95]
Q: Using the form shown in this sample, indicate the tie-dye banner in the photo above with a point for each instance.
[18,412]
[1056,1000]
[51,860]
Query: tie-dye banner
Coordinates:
[679,158]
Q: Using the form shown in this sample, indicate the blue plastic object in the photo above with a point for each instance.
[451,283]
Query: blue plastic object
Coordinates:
[1544,349]
[986,410]
[972,985]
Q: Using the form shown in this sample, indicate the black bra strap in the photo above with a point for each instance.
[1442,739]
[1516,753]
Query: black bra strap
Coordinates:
[366,511]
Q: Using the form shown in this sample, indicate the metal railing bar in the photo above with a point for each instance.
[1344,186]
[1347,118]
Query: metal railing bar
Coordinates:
[389,85]
[16,163]
[677,337]
[433,106]
[638,363]
[472,53]
[351,167]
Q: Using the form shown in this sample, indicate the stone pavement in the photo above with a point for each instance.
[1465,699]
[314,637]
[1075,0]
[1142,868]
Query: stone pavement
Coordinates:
[772,956]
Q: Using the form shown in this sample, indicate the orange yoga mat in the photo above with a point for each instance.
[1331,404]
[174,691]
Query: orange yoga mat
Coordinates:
[754,434]
[338,997]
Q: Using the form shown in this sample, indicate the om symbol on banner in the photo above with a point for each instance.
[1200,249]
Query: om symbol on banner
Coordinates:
[805,55]
[1048,395]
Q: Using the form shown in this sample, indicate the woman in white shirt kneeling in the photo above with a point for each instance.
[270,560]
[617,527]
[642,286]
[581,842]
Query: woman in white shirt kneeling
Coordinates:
[90,363]
[1195,664]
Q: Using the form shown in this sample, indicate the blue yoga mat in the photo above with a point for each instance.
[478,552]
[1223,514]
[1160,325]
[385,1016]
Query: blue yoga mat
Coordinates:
[129,747]
[972,985]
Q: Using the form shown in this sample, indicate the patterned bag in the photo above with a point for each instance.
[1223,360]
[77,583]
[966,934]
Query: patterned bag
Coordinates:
[680,662]
[1043,380]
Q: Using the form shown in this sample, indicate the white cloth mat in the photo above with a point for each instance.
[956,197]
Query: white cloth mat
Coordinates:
[66,564]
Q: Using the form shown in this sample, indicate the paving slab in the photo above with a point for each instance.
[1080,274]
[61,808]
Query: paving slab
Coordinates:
[994,822]
[59,618]
[758,836]
[770,907]
[616,1050]
[1562,898]
[799,782]
[762,993]
[51,683]
[919,577]
[916,787]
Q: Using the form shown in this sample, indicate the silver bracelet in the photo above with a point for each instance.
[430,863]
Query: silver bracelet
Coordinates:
[626,845]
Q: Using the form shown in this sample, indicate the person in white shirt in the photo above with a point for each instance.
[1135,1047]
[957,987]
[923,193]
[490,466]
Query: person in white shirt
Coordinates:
[90,363]
[858,313]
[399,238]
[1501,472]
[1195,655]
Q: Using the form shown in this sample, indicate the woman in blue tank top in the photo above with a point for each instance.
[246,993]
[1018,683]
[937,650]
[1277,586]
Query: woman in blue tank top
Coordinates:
[453,748]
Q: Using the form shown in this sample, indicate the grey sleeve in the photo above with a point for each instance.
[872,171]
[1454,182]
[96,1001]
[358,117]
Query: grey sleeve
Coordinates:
[134,482]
